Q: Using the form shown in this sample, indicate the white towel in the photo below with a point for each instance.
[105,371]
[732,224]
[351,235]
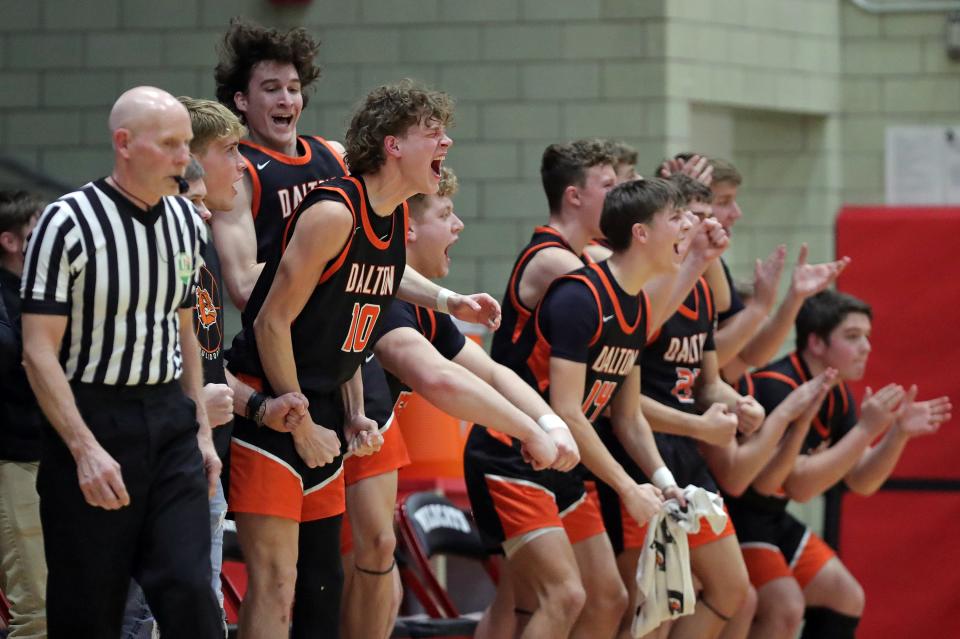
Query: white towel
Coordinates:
[663,572]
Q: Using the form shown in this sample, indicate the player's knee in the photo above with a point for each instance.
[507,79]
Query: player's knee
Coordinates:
[786,615]
[608,597]
[377,552]
[749,605]
[564,599]
[854,597]
[274,584]
[728,591]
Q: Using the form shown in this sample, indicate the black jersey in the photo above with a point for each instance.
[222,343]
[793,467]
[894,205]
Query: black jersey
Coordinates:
[281,182]
[586,317]
[673,357]
[355,290]
[437,328]
[770,385]
[515,314]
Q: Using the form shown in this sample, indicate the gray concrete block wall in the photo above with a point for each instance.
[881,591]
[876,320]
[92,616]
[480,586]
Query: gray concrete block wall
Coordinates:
[525,73]
[895,70]
[805,89]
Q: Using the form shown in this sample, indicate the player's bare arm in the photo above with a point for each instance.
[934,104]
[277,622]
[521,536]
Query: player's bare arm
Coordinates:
[567,379]
[544,267]
[667,292]
[717,425]
[236,241]
[362,433]
[520,394]
[739,463]
[409,356]
[633,431]
[711,389]
[735,333]
[913,419]
[806,280]
[813,474]
[321,233]
[98,473]
[478,308]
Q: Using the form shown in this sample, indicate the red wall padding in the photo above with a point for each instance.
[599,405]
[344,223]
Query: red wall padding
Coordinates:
[903,548]
[906,264]
[902,545]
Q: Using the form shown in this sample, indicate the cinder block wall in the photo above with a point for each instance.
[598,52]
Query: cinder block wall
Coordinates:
[895,71]
[796,92]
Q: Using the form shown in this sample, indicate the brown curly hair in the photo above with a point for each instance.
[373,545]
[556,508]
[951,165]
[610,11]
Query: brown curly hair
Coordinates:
[246,44]
[390,110]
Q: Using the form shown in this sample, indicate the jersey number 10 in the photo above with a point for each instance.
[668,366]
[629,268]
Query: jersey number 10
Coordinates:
[361,326]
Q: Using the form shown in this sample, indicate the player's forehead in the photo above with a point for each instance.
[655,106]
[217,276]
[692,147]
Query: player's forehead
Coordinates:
[854,322]
[267,71]
[601,173]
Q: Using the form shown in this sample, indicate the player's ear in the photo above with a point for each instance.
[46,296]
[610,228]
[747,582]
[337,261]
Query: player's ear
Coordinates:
[240,101]
[391,146]
[816,345]
[639,232]
[571,195]
[411,232]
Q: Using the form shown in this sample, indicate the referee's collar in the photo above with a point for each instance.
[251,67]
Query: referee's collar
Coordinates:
[124,205]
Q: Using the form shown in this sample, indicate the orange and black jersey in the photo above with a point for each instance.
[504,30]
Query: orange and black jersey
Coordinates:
[673,357]
[437,328]
[355,289]
[280,182]
[586,317]
[771,384]
[515,314]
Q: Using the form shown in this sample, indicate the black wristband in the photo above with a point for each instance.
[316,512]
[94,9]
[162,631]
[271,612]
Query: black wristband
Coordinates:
[256,407]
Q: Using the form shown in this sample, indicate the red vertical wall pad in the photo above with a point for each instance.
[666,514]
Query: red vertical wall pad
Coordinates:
[906,264]
[901,544]
[903,548]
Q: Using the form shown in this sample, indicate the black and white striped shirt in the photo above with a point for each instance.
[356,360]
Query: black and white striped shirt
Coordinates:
[119,274]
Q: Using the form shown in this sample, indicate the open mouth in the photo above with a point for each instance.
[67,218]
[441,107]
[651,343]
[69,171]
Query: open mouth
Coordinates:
[282,120]
[435,166]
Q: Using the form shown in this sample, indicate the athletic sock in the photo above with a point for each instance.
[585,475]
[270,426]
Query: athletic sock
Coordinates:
[825,623]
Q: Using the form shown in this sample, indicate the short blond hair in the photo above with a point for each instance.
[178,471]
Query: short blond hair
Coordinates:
[210,121]
[449,184]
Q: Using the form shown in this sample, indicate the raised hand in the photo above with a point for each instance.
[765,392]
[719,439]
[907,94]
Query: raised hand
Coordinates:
[922,418]
[708,241]
[698,167]
[877,411]
[804,401]
[478,308]
[810,279]
[766,277]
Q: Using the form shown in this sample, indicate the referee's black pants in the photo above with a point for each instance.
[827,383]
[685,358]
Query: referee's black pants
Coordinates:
[162,539]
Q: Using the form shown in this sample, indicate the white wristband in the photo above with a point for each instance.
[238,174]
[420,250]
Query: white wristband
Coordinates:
[550,422]
[442,298]
[663,478]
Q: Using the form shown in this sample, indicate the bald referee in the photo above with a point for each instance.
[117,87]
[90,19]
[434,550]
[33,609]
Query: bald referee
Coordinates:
[108,291]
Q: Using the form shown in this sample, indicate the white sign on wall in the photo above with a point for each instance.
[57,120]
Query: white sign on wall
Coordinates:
[923,165]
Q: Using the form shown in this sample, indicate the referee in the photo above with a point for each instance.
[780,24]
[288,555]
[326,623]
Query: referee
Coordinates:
[108,292]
